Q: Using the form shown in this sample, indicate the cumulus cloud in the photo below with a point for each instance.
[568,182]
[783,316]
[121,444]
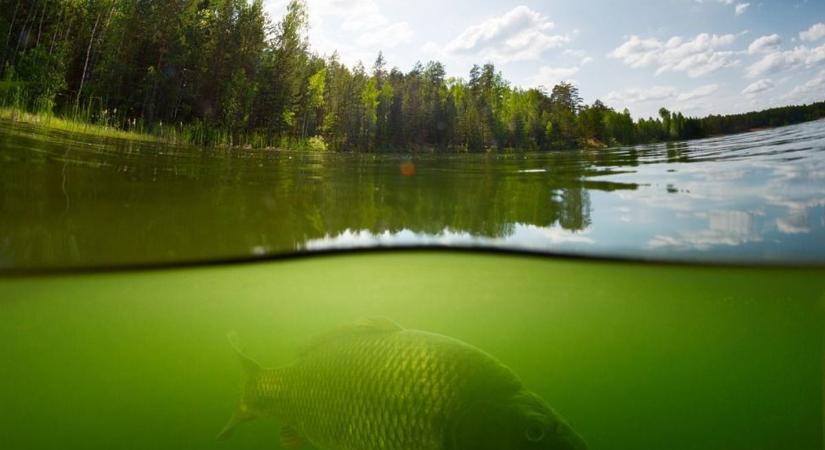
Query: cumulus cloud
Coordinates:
[551,76]
[759,86]
[519,35]
[661,95]
[389,36]
[697,57]
[778,61]
[641,95]
[810,91]
[362,19]
[739,8]
[700,92]
[765,44]
[581,55]
[814,33]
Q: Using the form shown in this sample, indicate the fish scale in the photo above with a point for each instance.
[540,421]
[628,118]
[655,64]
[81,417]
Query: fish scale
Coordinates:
[374,390]
[377,386]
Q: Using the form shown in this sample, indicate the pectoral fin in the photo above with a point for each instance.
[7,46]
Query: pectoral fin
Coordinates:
[290,439]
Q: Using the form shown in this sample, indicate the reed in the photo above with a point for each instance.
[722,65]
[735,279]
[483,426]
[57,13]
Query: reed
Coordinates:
[53,122]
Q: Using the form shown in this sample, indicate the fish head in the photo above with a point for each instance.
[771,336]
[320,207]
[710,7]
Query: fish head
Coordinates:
[523,421]
[538,427]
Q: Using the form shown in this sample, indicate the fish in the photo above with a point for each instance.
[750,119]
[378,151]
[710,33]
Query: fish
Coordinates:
[374,385]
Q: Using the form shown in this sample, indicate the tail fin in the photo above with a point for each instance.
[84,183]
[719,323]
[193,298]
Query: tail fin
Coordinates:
[251,371]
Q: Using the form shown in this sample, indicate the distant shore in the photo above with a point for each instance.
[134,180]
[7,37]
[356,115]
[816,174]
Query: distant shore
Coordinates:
[183,135]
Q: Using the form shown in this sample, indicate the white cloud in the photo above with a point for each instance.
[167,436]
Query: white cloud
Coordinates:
[387,36]
[778,61]
[669,96]
[575,53]
[814,33]
[739,8]
[765,44]
[551,76]
[581,55]
[640,95]
[697,57]
[370,29]
[759,86]
[700,92]
[519,35]
[725,2]
[813,90]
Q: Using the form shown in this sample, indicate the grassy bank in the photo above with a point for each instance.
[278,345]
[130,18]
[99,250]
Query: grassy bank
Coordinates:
[197,134]
[73,126]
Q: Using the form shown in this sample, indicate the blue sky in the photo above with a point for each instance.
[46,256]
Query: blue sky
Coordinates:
[695,56]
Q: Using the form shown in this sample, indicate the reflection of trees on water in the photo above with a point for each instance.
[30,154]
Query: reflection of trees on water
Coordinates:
[677,152]
[146,206]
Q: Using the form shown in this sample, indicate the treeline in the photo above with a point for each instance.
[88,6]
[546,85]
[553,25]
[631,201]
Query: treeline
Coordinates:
[221,72]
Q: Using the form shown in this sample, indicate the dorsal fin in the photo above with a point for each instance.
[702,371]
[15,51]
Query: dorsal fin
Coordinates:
[364,326]
[250,366]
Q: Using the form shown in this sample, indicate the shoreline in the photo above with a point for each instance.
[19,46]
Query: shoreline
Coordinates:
[56,123]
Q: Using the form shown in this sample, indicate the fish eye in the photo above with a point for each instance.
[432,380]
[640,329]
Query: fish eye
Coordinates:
[534,433]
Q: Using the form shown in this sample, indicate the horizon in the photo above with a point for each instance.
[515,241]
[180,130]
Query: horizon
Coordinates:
[711,57]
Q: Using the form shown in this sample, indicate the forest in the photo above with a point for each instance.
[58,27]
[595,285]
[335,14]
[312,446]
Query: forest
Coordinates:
[221,72]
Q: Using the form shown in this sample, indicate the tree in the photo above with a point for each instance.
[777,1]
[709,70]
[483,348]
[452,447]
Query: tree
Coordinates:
[224,73]
[282,71]
[565,104]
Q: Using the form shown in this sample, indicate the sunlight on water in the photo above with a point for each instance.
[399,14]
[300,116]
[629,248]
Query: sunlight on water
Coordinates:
[71,201]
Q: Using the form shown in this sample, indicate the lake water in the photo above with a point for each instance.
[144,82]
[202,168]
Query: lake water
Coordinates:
[634,355]
[72,201]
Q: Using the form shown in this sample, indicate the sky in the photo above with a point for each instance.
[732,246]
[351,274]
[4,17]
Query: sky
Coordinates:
[695,56]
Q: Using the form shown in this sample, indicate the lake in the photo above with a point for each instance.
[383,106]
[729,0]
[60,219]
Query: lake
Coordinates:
[69,201]
[655,346]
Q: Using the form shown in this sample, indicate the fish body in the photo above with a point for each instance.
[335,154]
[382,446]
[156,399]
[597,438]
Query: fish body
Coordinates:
[376,386]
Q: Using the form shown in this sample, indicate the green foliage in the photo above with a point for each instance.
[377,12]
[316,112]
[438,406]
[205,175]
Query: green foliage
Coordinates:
[317,144]
[43,75]
[219,72]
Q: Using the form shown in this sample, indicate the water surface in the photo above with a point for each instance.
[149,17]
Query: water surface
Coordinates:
[74,201]
[634,356]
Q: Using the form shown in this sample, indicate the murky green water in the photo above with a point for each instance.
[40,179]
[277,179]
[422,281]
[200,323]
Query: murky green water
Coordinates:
[634,356]
[69,201]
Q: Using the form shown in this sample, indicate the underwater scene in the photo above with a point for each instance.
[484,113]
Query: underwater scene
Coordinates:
[415,350]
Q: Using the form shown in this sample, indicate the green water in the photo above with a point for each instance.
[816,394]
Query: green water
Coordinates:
[634,356]
[75,201]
